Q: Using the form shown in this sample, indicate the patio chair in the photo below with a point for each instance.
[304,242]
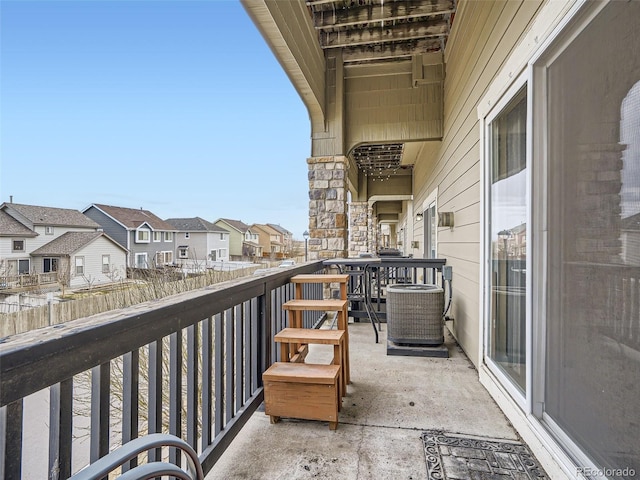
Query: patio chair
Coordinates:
[120,456]
[360,293]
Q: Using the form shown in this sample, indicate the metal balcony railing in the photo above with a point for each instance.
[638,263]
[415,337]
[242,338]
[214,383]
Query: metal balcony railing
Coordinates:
[189,365]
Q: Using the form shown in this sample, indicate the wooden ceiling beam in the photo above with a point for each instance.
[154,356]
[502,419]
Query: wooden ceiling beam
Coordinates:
[382,51]
[388,33]
[377,14]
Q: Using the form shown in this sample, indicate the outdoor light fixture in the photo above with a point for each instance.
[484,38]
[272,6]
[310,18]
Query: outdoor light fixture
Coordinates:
[306,239]
[445,219]
[419,216]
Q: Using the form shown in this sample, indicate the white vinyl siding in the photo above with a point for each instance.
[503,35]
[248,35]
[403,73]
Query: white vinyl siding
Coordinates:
[94,255]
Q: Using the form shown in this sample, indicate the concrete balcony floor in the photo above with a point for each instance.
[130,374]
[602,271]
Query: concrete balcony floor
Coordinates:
[390,402]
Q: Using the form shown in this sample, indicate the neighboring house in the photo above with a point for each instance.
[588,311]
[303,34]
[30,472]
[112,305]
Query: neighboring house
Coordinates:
[26,228]
[270,240]
[149,240]
[82,258]
[243,242]
[287,238]
[14,240]
[198,240]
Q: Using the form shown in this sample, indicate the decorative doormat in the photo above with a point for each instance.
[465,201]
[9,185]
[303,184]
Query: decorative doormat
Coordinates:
[450,456]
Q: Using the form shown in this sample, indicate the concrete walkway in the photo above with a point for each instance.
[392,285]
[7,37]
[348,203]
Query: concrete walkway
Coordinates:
[390,402]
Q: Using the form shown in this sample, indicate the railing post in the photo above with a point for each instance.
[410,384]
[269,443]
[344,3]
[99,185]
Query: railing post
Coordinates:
[155,394]
[11,440]
[264,333]
[192,385]
[175,391]
[130,404]
[60,430]
[100,392]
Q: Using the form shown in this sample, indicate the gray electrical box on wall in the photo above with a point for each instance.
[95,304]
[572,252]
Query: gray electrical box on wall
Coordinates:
[447,272]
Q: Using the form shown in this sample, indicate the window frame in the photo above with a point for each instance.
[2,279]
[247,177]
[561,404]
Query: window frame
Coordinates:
[53,262]
[142,255]
[141,233]
[23,247]
[108,264]
[430,202]
[562,38]
[524,80]
[20,263]
[537,57]
[79,265]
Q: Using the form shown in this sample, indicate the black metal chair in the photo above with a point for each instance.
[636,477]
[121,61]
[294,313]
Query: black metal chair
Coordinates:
[360,294]
[120,456]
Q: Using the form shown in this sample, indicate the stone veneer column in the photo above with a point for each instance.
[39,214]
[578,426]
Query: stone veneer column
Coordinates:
[372,227]
[327,207]
[358,228]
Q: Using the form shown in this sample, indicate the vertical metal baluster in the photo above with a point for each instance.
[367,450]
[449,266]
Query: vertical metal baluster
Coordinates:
[248,370]
[60,429]
[175,391]
[261,346]
[155,394]
[192,385]
[100,393]
[11,440]
[219,377]
[238,356]
[130,404]
[255,372]
[207,389]
[229,378]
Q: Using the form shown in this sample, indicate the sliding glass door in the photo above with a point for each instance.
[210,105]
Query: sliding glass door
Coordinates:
[507,242]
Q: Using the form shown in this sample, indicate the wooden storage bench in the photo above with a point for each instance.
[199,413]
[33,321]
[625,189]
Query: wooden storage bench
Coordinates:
[302,390]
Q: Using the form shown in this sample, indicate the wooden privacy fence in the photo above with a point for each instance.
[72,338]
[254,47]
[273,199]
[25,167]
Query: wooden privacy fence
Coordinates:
[124,296]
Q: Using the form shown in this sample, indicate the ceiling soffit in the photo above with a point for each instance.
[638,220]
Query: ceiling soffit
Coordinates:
[383,32]
[379,30]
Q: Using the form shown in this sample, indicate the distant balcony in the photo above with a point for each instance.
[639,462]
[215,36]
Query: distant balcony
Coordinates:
[27,280]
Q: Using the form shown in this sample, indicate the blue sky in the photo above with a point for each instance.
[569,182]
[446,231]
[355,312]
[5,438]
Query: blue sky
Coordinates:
[178,107]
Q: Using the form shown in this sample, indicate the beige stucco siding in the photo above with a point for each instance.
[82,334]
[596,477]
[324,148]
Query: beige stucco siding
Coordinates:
[483,36]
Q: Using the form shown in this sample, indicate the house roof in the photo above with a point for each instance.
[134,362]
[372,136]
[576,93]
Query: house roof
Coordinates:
[279,229]
[132,218]
[10,227]
[266,228]
[69,243]
[631,223]
[236,224]
[39,215]
[195,224]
